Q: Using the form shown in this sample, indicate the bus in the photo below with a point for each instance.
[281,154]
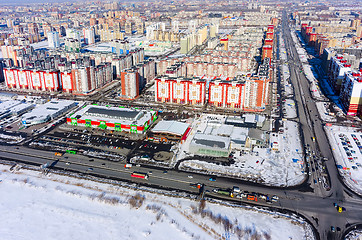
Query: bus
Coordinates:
[71,151]
[139,175]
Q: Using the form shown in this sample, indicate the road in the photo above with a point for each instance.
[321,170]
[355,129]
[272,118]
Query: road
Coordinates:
[312,126]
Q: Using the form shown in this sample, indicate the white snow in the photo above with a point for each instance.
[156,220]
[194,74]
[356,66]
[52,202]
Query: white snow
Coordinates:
[324,113]
[289,109]
[348,156]
[34,206]
[354,235]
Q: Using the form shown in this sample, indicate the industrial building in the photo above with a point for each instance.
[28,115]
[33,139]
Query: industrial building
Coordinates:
[218,135]
[215,146]
[113,118]
[14,107]
[47,111]
[165,131]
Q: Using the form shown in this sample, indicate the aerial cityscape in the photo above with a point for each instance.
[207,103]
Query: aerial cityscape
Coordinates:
[181,120]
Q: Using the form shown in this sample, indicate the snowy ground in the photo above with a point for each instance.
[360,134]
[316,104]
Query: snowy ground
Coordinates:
[283,166]
[354,235]
[346,143]
[289,109]
[288,88]
[324,112]
[59,207]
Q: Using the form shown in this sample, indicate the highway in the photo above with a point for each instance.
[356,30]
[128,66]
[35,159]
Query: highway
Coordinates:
[312,126]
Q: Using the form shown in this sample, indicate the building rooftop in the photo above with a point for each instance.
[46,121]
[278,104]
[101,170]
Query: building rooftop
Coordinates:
[44,111]
[211,141]
[172,127]
[120,113]
[114,114]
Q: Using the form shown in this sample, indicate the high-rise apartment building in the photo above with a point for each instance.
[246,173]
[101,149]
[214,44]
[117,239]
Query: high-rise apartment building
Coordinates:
[53,40]
[89,35]
[130,83]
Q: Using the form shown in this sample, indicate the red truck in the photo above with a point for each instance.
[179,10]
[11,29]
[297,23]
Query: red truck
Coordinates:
[139,175]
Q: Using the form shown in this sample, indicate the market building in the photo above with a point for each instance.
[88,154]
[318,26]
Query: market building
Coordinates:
[113,118]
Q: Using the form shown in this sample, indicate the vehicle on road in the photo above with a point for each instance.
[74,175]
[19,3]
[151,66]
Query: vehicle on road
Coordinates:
[251,197]
[223,192]
[190,176]
[196,185]
[275,198]
[333,229]
[90,169]
[58,154]
[67,163]
[128,165]
[139,175]
[212,179]
[236,189]
[339,208]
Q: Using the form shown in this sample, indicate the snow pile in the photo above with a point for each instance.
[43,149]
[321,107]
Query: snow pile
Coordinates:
[354,235]
[309,73]
[10,139]
[324,113]
[59,207]
[289,109]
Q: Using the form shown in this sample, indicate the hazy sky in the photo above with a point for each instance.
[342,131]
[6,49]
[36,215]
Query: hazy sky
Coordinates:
[14,2]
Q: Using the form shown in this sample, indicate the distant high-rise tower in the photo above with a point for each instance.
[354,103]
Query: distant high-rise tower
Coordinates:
[33,28]
[53,39]
[89,35]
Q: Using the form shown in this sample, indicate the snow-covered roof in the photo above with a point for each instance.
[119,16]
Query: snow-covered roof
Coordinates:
[7,96]
[256,134]
[115,114]
[44,111]
[173,127]
[239,134]
[225,130]
[111,112]
[23,106]
[7,105]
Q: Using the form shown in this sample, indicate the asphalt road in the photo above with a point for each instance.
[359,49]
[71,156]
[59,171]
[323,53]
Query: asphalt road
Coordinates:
[312,126]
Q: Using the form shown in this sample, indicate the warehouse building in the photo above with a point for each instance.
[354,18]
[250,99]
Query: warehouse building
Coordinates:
[210,145]
[113,118]
[14,107]
[47,111]
[166,131]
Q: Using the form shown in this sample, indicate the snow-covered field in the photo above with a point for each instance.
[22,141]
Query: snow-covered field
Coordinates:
[354,235]
[324,113]
[289,109]
[34,206]
[281,164]
[346,143]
